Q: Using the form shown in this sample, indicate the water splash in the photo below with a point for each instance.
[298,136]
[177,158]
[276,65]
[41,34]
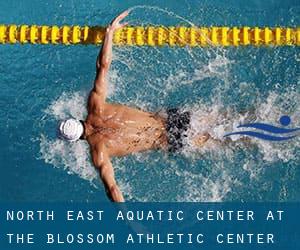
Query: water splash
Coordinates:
[211,84]
[74,158]
[192,186]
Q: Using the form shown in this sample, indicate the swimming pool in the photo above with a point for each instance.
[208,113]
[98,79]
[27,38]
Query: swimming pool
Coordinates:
[42,84]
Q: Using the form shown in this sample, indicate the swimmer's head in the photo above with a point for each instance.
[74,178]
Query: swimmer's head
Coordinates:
[70,130]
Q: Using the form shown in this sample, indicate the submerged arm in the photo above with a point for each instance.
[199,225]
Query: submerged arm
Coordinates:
[105,56]
[103,164]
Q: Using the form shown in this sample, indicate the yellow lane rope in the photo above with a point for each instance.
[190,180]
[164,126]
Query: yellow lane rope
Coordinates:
[152,35]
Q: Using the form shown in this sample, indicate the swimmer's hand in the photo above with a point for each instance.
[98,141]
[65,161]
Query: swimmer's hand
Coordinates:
[115,24]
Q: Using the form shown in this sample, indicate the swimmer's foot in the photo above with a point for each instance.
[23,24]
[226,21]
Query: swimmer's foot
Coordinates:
[200,140]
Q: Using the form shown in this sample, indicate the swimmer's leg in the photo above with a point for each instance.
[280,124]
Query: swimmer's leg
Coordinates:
[200,140]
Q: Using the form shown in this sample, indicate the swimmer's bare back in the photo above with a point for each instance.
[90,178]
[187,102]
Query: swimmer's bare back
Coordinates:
[124,130]
[113,129]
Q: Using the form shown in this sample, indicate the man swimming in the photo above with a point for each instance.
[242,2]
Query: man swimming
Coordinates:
[117,130]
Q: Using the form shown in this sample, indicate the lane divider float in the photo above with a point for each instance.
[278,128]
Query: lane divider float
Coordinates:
[152,35]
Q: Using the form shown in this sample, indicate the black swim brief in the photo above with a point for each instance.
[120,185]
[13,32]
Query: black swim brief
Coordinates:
[177,125]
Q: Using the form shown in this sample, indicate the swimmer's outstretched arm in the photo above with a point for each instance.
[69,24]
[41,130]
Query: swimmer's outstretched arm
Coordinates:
[103,164]
[105,56]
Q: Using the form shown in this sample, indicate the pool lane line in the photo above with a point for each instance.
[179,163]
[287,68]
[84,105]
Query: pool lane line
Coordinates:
[152,35]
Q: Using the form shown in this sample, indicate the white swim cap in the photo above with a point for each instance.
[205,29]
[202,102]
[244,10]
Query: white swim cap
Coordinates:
[70,130]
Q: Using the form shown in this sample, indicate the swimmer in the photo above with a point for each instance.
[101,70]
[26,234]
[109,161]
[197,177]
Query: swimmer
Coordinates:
[114,130]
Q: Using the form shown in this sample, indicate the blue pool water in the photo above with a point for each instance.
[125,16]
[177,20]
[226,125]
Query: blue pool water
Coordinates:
[42,84]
